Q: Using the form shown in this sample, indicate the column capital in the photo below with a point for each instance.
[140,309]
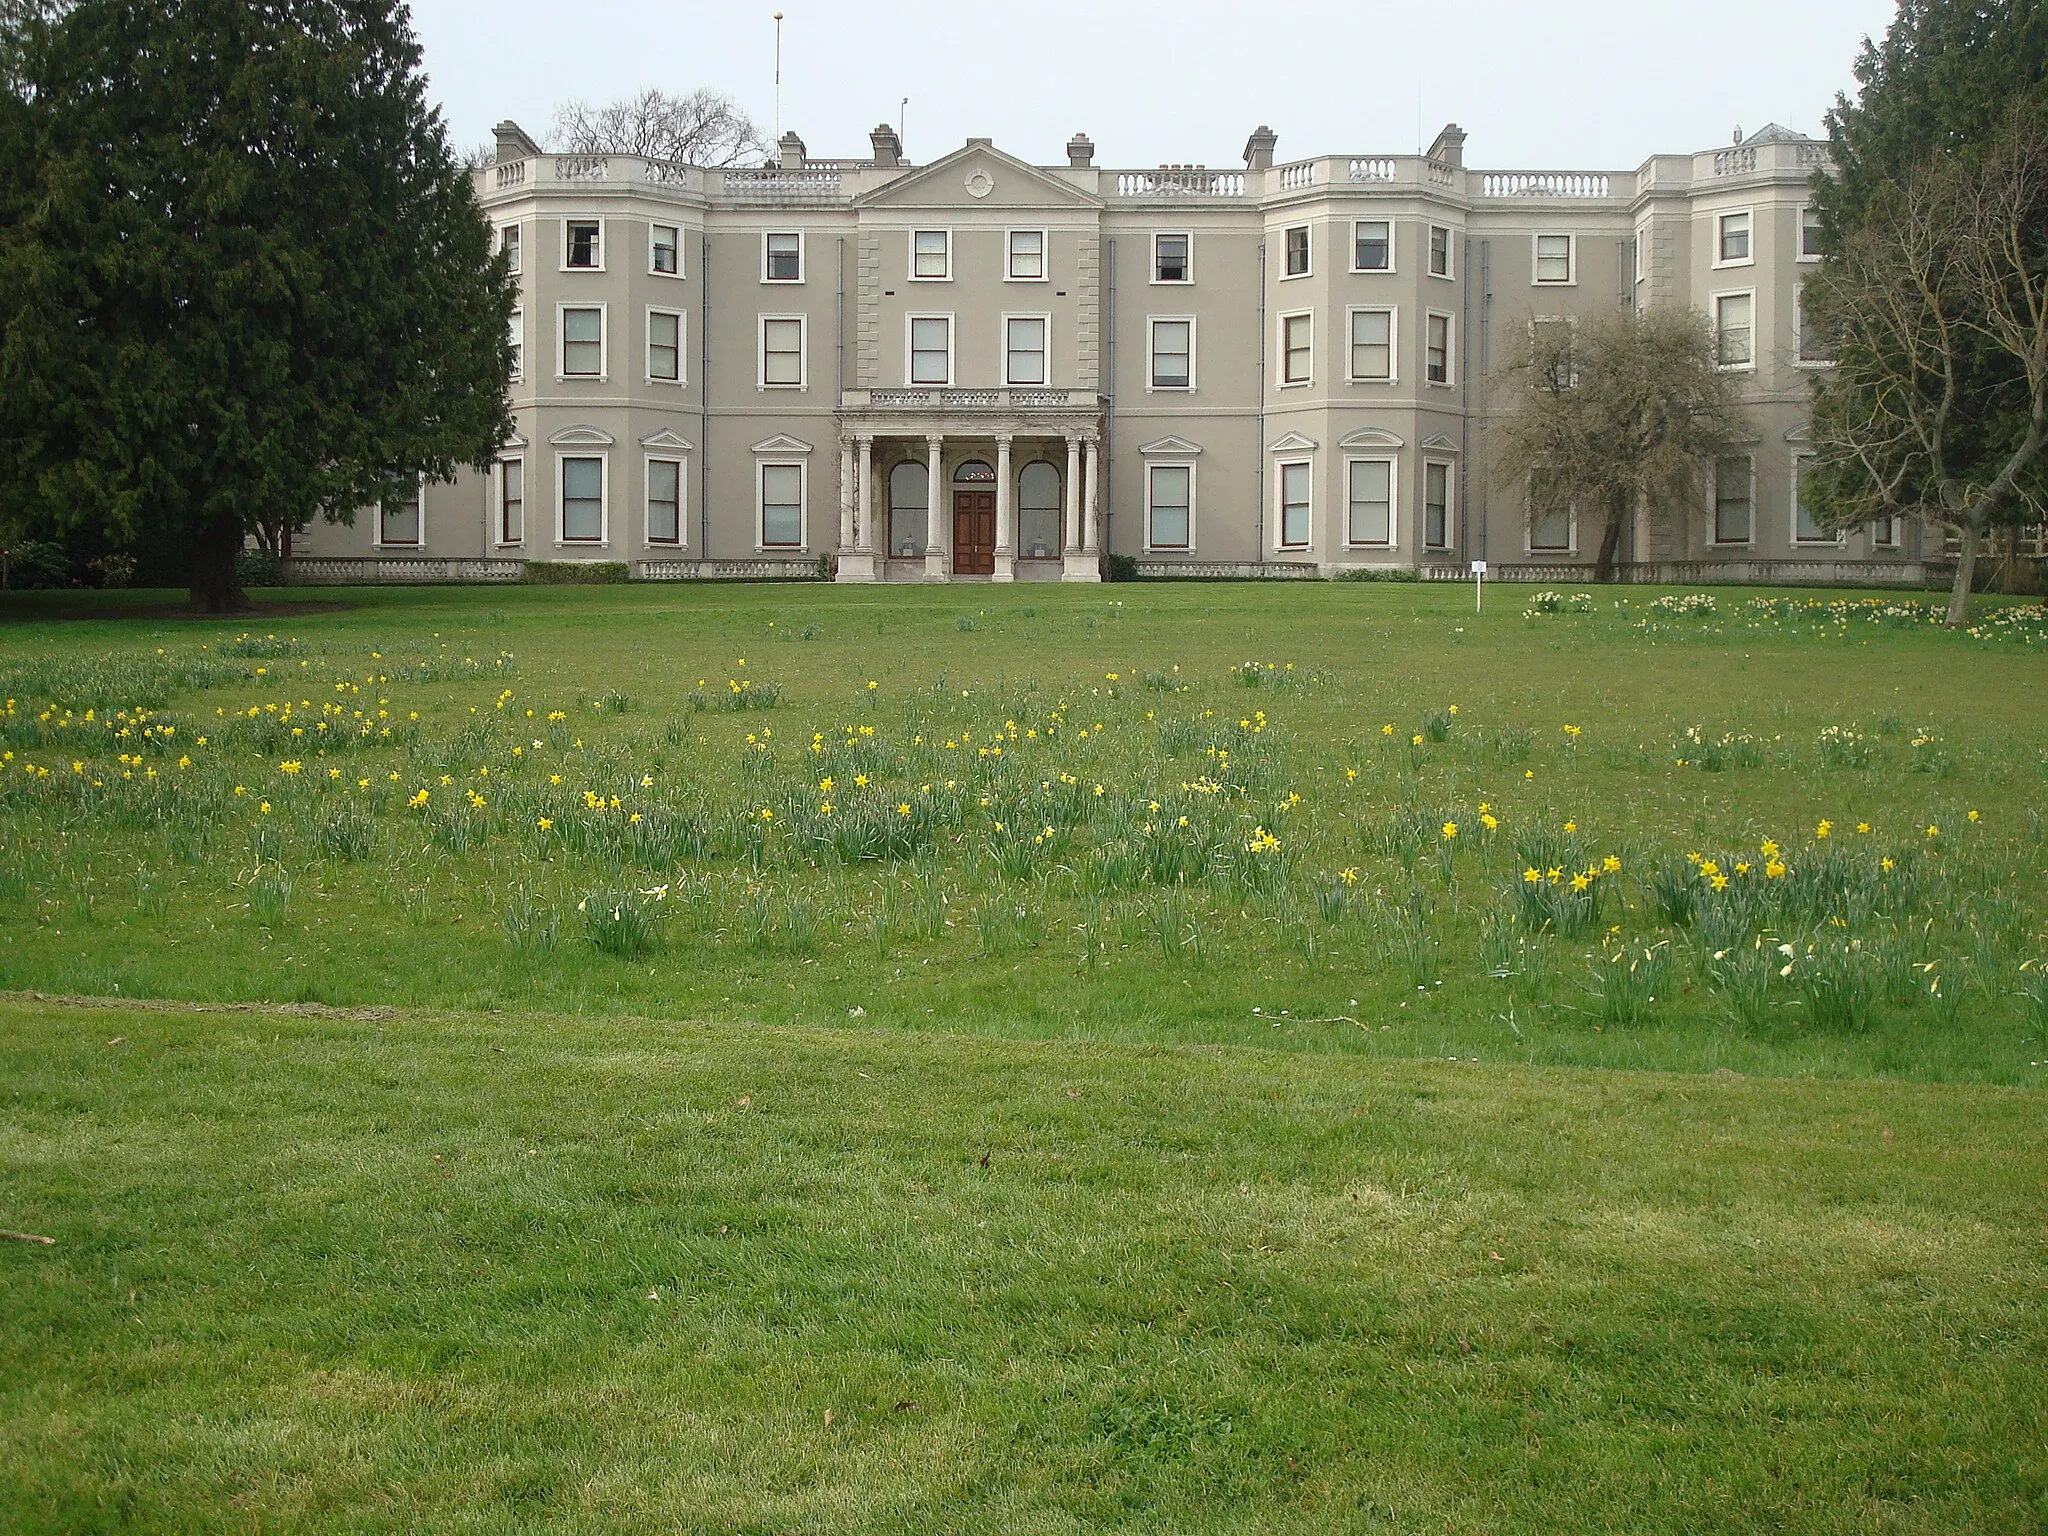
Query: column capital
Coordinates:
[935,440]
[865,439]
[1003,439]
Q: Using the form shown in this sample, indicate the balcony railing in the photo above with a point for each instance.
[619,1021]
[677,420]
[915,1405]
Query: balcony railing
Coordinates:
[1023,398]
[1179,181]
[1544,184]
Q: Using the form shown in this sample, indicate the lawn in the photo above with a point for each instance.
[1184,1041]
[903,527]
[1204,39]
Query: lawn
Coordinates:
[796,1058]
[422,1272]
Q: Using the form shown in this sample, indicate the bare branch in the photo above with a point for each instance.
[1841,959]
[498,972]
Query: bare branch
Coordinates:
[701,128]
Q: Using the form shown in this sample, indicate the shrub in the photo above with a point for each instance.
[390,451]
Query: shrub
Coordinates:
[1378,573]
[257,568]
[1119,568]
[574,573]
[32,565]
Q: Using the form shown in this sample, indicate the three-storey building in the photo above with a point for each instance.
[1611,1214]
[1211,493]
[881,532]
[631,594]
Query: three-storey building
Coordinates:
[984,369]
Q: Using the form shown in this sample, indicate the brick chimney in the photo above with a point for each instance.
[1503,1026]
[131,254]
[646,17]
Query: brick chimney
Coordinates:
[1258,149]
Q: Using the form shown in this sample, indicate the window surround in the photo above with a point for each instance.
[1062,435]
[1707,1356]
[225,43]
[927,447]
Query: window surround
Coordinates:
[1571,260]
[1638,244]
[1714,302]
[509,240]
[1799,250]
[1308,251]
[1307,379]
[1721,237]
[1888,538]
[803,502]
[1170,461]
[682,350]
[676,236]
[515,332]
[910,379]
[1393,463]
[682,500]
[946,256]
[1392,264]
[499,538]
[772,234]
[604,499]
[1800,464]
[1450,378]
[1010,274]
[604,344]
[1045,350]
[1571,537]
[1280,467]
[1799,359]
[568,225]
[1450,469]
[1393,314]
[1450,271]
[419,539]
[1152,386]
[1187,266]
[1571,325]
[803,353]
[1714,539]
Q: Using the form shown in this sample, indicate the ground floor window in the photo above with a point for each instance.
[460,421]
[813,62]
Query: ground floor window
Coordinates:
[1884,533]
[1038,511]
[1551,531]
[582,500]
[909,508]
[1169,503]
[1436,506]
[782,506]
[511,501]
[1806,528]
[664,501]
[1369,517]
[398,518]
[1294,505]
[1734,505]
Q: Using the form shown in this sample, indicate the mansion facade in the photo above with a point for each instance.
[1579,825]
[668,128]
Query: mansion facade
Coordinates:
[981,369]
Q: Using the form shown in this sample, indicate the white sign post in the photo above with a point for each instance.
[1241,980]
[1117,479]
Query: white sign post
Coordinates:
[1478,586]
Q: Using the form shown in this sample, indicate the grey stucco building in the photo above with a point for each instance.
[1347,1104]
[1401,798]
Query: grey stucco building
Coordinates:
[979,368]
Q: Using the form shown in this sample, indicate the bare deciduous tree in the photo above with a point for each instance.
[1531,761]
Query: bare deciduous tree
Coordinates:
[1616,412]
[702,128]
[1937,304]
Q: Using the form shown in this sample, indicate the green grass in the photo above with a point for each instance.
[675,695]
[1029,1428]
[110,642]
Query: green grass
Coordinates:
[1311,880]
[437,1272]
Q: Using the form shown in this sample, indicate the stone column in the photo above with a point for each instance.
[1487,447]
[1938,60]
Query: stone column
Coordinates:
[936,543]
[1075,563]
[857,542]
[1006,515]
[1092,503]
[846,491]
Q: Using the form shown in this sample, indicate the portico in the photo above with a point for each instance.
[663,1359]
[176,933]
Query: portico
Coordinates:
[966,485]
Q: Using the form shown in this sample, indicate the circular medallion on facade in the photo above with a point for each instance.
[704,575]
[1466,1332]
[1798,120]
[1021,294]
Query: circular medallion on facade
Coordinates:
[980,183]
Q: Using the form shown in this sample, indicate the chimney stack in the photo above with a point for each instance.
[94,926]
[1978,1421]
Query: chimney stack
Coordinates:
[513,143]
[789,152]
[1258,149]
[1449,148]
[1080,152]
[888,148]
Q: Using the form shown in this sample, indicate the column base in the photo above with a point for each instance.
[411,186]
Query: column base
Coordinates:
[1006,566]
[937,565]
[1079,566]
[857,565]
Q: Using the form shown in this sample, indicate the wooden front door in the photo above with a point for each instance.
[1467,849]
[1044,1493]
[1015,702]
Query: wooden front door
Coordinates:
[974,533]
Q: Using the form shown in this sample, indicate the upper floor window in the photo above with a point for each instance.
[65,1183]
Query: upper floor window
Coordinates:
[1372,345]
[1026,255]
[515,335]
[782,351]
[931,349]
[1735,330]
[1439,251]
[1436,349]
[583,245]
[1297,334]
[583,342]
[1296,240]
[1731,239]
[665,346]
[1173,354]
[782,257]
[931,254]
[508,242]
[1809,233]
[1170,259]
[1024,349]
[1814,343]
[1372,246]
[664,251]
[1554,259]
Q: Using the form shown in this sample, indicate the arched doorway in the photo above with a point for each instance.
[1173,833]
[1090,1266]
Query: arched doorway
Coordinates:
[974,519]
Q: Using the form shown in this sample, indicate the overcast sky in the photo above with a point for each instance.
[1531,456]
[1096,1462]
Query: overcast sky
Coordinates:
[1589,84]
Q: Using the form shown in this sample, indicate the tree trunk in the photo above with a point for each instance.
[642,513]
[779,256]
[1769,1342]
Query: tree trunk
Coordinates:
[1610,548]
[1966,572]
[215,586]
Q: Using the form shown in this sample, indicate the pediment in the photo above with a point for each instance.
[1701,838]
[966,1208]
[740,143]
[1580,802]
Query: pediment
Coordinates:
[516,440]
[1799,434]
[1175,447]
[583,436]
[666,438]
[1437,442]
[1293,442]
[1370,437]
[951,182]
[781,442]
